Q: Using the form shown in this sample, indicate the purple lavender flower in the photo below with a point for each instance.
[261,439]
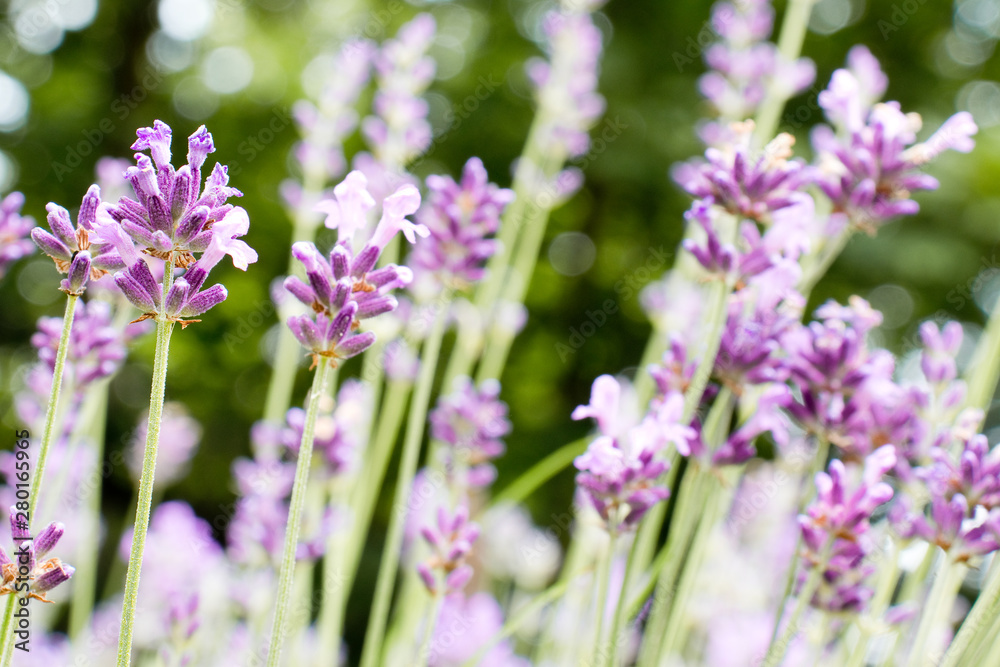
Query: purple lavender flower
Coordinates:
[327,123]
[71,248]
[768,417]
[566,84]
[347,288]
[745,183]
[44,575]
[400,131]
[179,434]
[173,219]
[838,520]
[451,538]
[964,516]
[96,347]
[460,216]
[745,67]
[870,168]
[674,372]
[341,430]
[472,422]
[845,392]
[14,231]
[620,471]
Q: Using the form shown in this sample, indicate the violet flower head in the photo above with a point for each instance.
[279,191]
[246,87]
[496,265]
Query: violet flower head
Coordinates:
[837,524]
[964,514]
[566,84]
[96,347]
[744,67]
[674,372]
[172,218]
[15,230]
[341,427]
[326,123]
[346,288]
[43,575]
[460,217]
[870,167]
[180,435]
[941,346]
[472,422]
[620,471]
[71,248]
[399,131]
[451,538]
[744,182]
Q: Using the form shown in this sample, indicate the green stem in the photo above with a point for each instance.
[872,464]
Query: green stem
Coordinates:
[48,432]
[984,368]
[526,484]
[682,528]
[287,575]
[289,352]
[144,506]
[776,651]
[887,578]
[935,612]
[603,583]
[425,647]
[621,605]
[408,466]
[805,497]
[793,34]
[85,578]
[979,618]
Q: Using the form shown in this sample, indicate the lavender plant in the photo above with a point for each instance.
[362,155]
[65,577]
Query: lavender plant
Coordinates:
[764,490]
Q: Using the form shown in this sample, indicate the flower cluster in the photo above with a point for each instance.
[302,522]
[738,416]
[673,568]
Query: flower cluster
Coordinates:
[460,217]
[621,469]
[870,165]
[471,422]
[835,526]
[173,219]
[745,67]
[96,347]
[328,122]
[400,131]
[451,538]
[41,575]
[566,84]
[71,247]
[345,288]
[964,516]
[14,231]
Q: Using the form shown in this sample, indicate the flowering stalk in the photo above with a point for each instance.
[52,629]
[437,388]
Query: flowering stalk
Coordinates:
[936,610]
[603,583]
[48,432]
[164,328]
[407,469]
[977,623]
[776,651]
[287,575]
[425,647]
[793,34]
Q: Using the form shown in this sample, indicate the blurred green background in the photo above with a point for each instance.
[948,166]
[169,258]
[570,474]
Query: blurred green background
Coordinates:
[79,84]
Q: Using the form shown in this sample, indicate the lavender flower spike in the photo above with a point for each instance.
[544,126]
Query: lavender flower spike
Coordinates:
[43,575]
[472,422]
[14,231]
[451,538]
[71,248]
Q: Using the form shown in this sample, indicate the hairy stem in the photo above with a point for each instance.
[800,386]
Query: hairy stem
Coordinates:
[415,425]
[287,576]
